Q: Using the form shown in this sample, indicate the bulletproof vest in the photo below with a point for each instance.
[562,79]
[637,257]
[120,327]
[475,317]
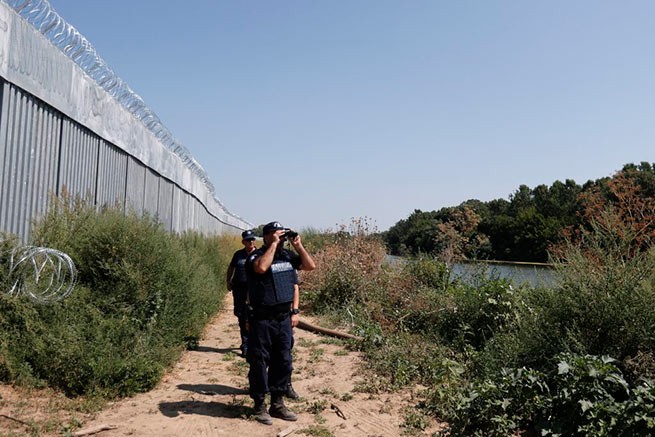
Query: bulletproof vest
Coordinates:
[240,271]
[276,286]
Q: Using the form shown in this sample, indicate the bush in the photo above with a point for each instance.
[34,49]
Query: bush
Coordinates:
[610,301]
[472,314]
[7,244]
[602,305]
[405,359]
[427,271]
[345,272]
[581,395]
[143,294]
[601,308]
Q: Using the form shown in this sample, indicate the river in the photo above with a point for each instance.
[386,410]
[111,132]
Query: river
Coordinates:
[534,274]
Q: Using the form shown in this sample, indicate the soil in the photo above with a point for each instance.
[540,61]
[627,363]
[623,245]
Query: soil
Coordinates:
[206,394]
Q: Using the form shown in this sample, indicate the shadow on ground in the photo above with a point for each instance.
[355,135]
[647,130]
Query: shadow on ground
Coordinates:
[226,350]
[212,409]
[212,389]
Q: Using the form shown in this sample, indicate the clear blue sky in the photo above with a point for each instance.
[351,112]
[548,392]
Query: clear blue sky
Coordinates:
[313,112]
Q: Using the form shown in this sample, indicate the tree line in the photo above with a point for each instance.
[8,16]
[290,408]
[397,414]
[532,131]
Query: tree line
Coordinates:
[532,223]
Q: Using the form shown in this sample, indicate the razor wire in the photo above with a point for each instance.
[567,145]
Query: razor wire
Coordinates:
[42,274]
[42,16]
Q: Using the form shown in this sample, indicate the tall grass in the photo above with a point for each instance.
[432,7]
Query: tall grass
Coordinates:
[143,295]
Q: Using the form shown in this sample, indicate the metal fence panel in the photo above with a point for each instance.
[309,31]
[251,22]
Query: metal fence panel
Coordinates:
[151,193]
[134,191]
[191,215]
[29,138]
[112,176]
[44,160]
[4,150]
[43,152]
[165,204]
[183,211]
[197,217]
[78,169]
[204,219]
[176,210]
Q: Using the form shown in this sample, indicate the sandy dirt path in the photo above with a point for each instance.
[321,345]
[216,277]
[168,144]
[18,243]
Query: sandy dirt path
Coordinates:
[205,394]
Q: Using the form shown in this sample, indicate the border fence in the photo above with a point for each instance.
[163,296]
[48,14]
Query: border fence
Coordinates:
[69,125]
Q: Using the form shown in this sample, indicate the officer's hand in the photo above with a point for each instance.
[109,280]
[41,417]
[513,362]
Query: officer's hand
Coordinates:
[296,242]
[277,234]
[295,318]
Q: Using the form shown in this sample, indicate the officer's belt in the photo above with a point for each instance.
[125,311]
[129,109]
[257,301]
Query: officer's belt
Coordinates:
[261,314]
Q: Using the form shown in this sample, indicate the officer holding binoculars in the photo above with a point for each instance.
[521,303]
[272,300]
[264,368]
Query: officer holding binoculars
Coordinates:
[273,299]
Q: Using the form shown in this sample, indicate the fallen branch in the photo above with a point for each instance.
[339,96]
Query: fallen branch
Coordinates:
[15,420]
[286,432]
[94,430]
[331,332]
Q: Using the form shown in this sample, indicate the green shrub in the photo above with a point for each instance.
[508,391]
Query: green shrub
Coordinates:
[7,244]
[500,406]
[601,306]
[581,395]
[473,314]
[609,287]
[588,395]
[142,295]
[610,301]
[427,271]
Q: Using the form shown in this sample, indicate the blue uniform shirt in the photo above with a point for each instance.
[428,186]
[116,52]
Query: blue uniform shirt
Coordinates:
[238,262]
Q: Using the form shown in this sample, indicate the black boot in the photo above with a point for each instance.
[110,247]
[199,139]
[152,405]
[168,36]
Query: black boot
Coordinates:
[291,393]
[279,410]
[261,415]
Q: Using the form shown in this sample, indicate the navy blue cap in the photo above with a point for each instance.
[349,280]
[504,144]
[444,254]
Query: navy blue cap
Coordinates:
[272,227]
[248,235]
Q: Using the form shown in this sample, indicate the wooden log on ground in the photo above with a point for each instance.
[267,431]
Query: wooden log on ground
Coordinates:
[331,332]
[286,432]
[94,430]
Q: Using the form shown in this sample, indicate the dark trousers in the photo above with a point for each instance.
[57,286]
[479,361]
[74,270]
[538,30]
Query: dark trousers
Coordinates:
[239,295]
[269,356]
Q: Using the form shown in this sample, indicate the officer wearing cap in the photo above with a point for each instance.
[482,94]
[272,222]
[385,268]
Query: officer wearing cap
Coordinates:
[237,283]
[273,298]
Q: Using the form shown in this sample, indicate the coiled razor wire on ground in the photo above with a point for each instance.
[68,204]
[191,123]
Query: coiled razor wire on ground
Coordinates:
[43,274]
[47,21]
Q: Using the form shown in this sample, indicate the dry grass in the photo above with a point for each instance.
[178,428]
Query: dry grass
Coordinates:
[346,270]
[37,412]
